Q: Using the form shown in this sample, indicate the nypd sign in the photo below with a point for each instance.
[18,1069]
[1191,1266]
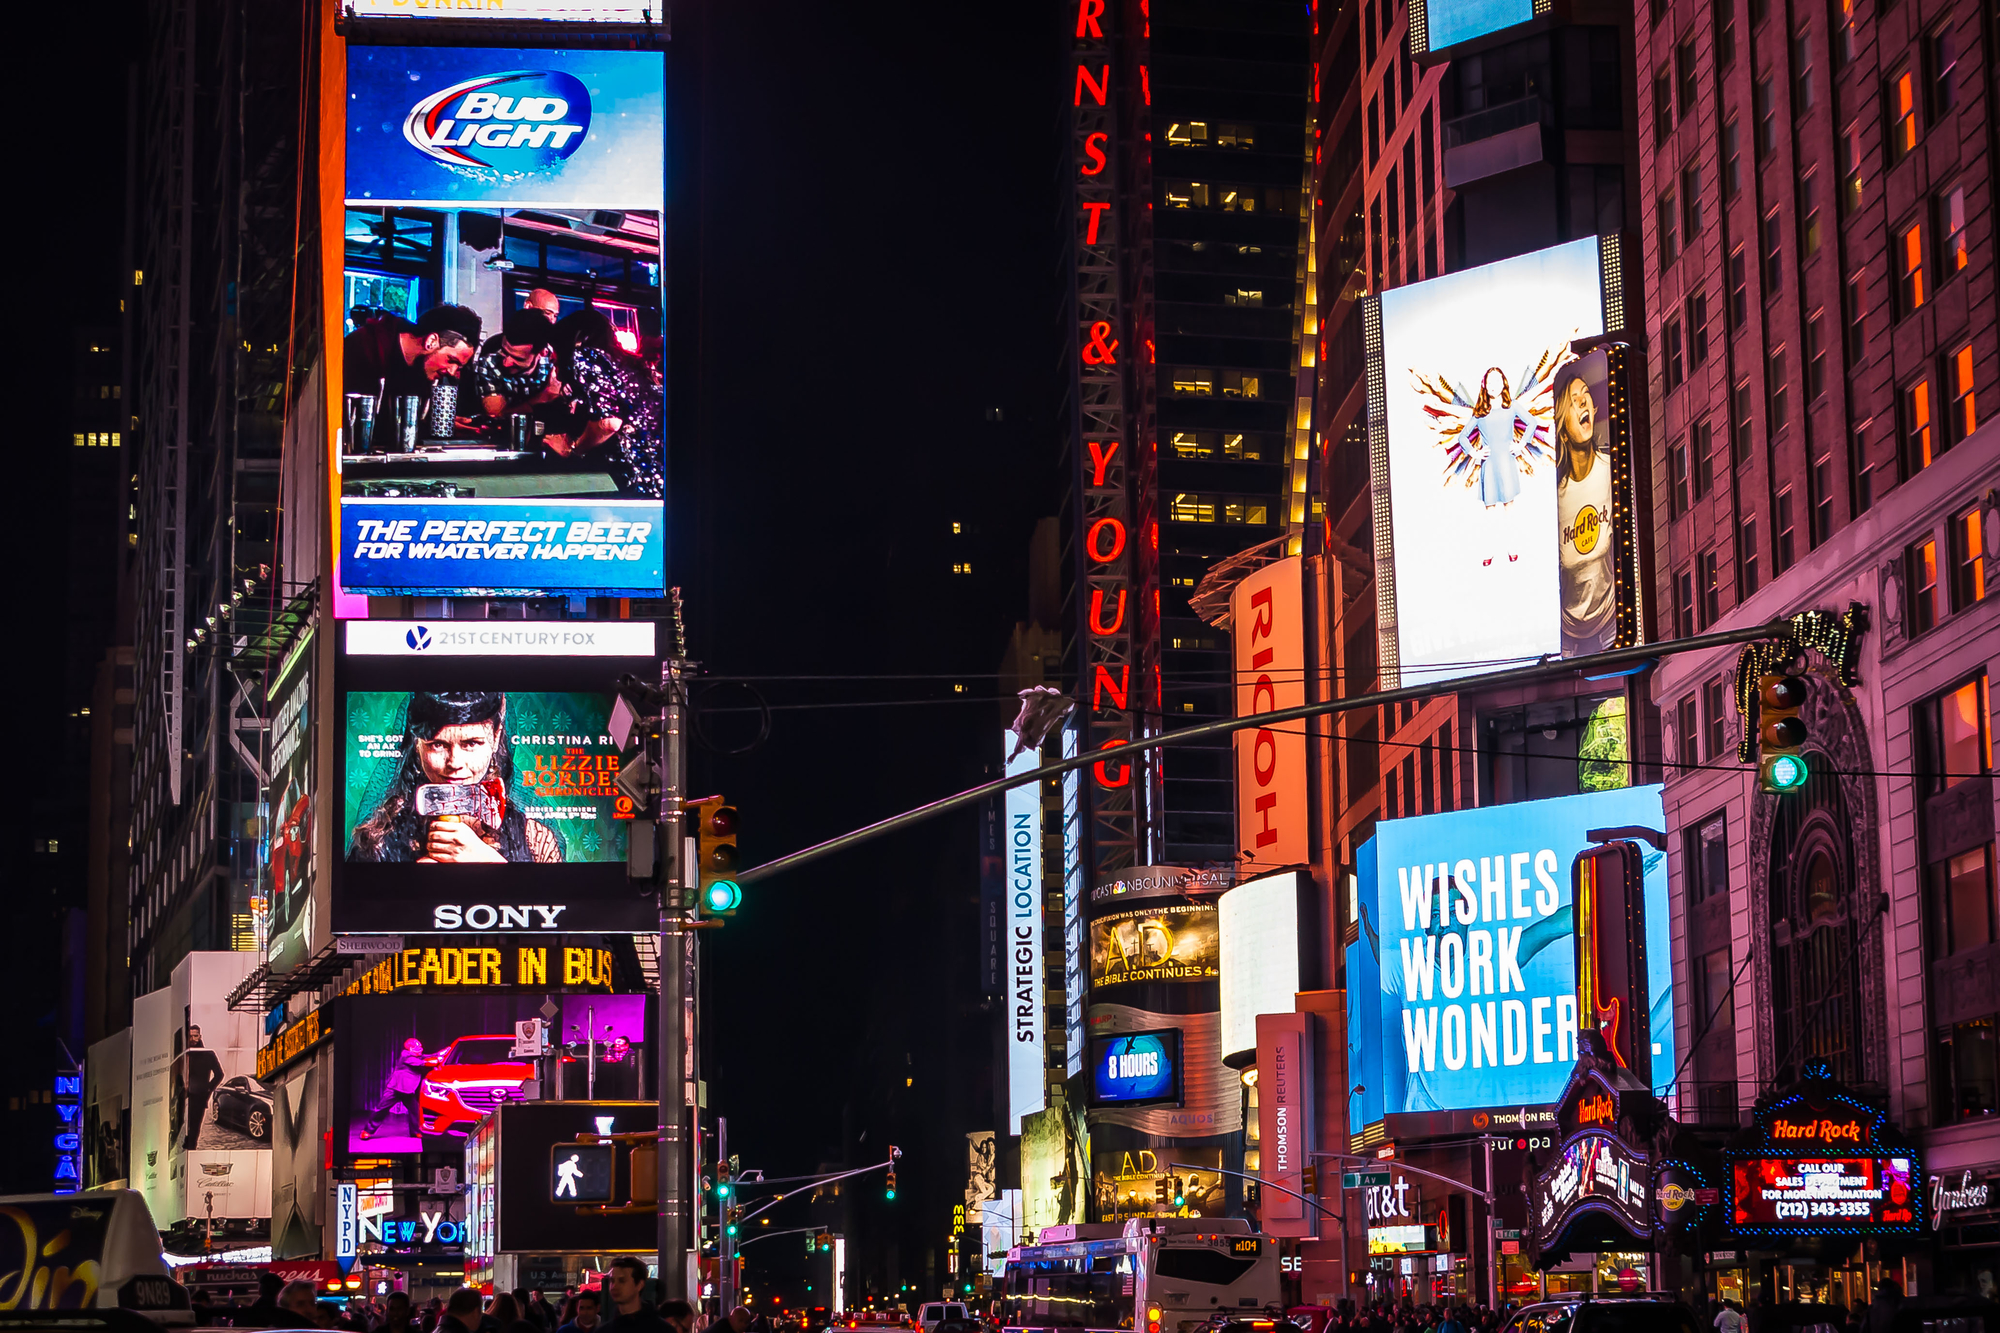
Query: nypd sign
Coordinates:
[449,126]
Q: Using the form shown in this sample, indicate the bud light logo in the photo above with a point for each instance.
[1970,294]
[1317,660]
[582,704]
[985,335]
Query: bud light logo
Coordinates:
[511,125]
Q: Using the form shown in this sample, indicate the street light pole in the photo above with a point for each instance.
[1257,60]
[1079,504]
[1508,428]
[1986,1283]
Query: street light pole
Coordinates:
[675,1281]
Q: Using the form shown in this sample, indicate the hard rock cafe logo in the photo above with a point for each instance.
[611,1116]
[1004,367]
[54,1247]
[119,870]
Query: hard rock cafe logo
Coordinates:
[1596,1110]
[1584,532]
[1966,1195]
[1827,1131]
[1675,1197]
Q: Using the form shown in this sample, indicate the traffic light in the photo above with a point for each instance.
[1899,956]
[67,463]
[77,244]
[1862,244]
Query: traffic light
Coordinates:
[729,1226]
[1160,1192]
[889,1185]
[1180,1192]
[715,856]
[1780,733]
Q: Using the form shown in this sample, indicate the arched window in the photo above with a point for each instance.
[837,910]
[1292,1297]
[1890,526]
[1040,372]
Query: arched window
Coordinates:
[1815,1001]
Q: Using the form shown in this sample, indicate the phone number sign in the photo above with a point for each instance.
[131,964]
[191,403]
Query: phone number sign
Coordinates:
[1822,1195]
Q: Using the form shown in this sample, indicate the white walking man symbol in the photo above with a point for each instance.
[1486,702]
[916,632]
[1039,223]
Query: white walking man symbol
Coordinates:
[567,1174]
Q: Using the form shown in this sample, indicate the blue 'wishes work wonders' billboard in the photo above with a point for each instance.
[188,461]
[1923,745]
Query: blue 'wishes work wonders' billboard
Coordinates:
[1476,949]
[503,424]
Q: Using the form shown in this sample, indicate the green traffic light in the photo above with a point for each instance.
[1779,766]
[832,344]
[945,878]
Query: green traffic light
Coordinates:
[724,895]
[732,1228]
[1788,772]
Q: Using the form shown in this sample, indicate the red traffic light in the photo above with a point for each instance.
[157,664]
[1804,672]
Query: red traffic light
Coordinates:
[722,820]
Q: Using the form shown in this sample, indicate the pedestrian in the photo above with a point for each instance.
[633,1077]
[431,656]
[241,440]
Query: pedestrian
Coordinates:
[679,1315]
[461,1313]
[1729,1319]
[540,1310]
[625,1284]
[582,1312]
[1882,1311]
[506,1314]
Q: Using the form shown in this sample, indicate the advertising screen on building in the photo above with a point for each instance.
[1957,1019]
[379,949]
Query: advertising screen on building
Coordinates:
[1136,1068]
[1810,1195]
[1027,1030]
[1505,525]
[1268,641]
[414,1073]
[218,1114]
[1258,926]
[1477,958]
[1163,941]
[1436,25]
[289,850]
[596,12]
[502,421]
[480,794]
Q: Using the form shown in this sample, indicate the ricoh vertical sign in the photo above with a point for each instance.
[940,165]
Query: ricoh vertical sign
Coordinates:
[1101,447]
[1284,1120]
[1021,845]
[1267,626]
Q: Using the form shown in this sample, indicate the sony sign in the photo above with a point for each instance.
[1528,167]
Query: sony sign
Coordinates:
[1021,840]
[485,916]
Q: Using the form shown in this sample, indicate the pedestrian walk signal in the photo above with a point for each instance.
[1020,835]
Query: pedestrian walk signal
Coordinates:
[582,1173]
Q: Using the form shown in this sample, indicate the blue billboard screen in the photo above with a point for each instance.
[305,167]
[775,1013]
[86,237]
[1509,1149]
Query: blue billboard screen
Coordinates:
[502,374]
[1449,22]
[1136,1068]
[1477,962]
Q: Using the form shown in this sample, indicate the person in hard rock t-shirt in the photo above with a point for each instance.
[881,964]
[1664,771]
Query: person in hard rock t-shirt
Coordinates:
[1583,517]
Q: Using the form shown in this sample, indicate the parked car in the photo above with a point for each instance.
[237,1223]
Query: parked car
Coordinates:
[244,1103]
[932,1313]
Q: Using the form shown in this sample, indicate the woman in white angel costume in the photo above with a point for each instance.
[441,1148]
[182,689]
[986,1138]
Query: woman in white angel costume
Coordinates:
[1491,442]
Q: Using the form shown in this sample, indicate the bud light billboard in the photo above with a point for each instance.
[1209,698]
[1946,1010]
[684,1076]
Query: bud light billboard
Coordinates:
[502,412]
[1474,947]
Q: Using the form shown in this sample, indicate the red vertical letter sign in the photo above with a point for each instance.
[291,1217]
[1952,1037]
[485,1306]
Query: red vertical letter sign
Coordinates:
[1270,659]
[1100,86]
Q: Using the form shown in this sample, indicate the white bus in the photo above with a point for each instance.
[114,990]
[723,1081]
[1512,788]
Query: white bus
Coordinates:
[1150,1275]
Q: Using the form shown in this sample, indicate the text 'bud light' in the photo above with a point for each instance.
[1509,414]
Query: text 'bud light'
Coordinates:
[514,123]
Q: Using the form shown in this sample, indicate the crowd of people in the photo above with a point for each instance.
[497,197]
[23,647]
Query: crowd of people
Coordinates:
[619,1306]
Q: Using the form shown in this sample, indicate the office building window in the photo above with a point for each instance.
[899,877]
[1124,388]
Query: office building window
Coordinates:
[1777,393]
[1944,71]
[1684,604]
[1815,356]
[1954,743]
[1669,240]
[1697,329]
[1968,566]
[1809,205]
[1714,719]
[1701,445]
[1677,477]
[1861,487]
[1961,417]
[1687,733]
[1821,480]
[1670,341]
[1690,203]
[1802,74]
[1742,423]
[1782,523]
[1853,181]
[1900,102]
[1746,559]
[1739,289]
[1663,108]
[1709,589]
[1774,254]
[1960,890]
[1922,579]
[1764,104]
[1725,35]
[1909,255]
[1732,158]
[1857,322]
[1919,430]
[1684,76]
[1192,383]
[1953,254]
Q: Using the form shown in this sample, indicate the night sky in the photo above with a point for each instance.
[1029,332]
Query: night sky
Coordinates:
[864,216]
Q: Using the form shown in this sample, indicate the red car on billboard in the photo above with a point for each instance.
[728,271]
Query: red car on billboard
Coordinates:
[467,1079]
